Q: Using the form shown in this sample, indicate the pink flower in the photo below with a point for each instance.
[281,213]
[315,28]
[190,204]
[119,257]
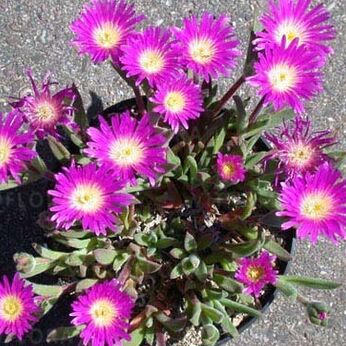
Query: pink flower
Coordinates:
[149,55]
[255,273]
[15,145]
[294,20]
[287,76]
[103,27]
[17,307]
[207,47]
[104,310]
[178,100]
[44,111]
[231,168]
[315,204]
[129,147]
[88,195]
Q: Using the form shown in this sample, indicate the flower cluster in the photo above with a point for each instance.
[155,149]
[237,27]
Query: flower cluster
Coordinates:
[162,211]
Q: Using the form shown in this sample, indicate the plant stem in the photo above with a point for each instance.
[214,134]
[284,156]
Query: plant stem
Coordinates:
[256,111]
[160,337]
[139,100]
[228,95]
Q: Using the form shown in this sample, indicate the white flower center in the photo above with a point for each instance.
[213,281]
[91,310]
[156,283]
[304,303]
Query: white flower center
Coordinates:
[291,31]
[87,198]
[103,313]
[5,151]
[151,61]
[126,152]
[45,112]
[299,155]
[282,77]
[175,101]
[316,206]
[11,308]
[202,51]
[107,36]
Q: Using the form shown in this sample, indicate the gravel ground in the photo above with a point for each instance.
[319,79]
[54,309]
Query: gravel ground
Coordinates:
[35,33]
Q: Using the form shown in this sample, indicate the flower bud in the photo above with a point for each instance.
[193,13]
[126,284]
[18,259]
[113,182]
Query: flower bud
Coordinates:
[318,313]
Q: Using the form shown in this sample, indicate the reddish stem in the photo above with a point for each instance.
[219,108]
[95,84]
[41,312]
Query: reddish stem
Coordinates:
[256,111]
[228,95]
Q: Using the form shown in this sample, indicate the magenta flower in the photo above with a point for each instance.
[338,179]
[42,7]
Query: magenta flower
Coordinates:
[17,307]
[255,273]
[231,168]
[103,27]
[44,111]
[104,310]
[315,204]
[129,147]
[149,55]
[298,148]
[208,47]
[293,20]
[178,100]
[88,195]
[287,76]
[15,147]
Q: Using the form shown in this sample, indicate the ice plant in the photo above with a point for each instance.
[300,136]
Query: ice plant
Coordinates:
[15,147]
[104,310]
[298,148]
[89,195]
[231,167]
[129,147]
[293,19]
[178,100]
[44,111]
[103,26]
[255,273]
[150,56]
[17,307]
[165,210]
[207,46]
[287,76]
[315,204]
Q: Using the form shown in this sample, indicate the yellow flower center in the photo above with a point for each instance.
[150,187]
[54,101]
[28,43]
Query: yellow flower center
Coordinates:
[87,198]
[316,206]
[103,313]
[11,308]
[299,155]
[151,61]
[175,101]
[126,152]
[45,112]
[282,77]
[291,31]
[5,151]
[107,36]
[202,51]
[228,169]
[255,273]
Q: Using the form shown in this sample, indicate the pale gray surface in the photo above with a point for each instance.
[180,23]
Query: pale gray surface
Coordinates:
[35,33]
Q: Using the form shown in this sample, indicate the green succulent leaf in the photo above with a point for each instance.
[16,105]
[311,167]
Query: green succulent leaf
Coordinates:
[85,284]
[58,149]
[190,264]
[190,243]
[47,290]
[219,140]
[47,253]
[137,337]
[195,313]
[227,283]
[105,256]
[173,324]
[310,282]
[240,307]
[120,260]
[227,324]
[215,315]
[210,335]
[286,288]
[64,333]
[276,249]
